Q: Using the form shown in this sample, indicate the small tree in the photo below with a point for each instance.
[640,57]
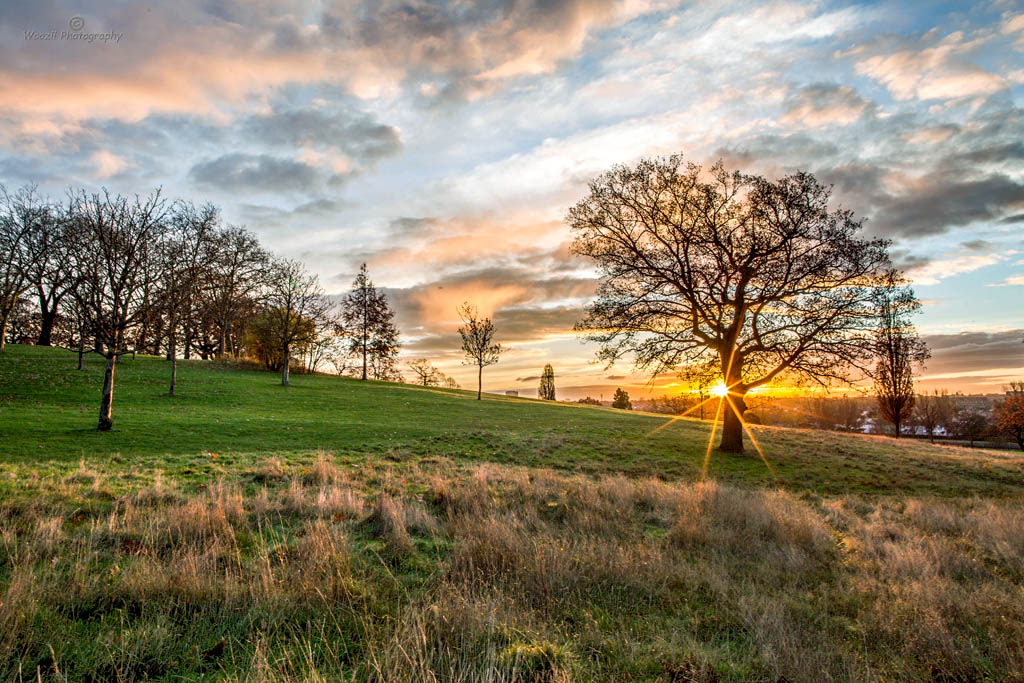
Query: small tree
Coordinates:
[547,384]
[933,411]
[971,425]
[425,373]
[701,377]
[449,382]
[898,348]
[1009,413]
[294,300]
[621,400]
[478,342]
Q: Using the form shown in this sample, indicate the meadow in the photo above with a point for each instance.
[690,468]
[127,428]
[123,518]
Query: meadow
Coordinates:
[339,530]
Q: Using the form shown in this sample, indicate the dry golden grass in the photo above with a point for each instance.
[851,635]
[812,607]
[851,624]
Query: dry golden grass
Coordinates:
[503,574]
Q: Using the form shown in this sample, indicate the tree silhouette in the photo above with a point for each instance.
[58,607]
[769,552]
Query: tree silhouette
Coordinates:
[425,373]
[898,348]
[621,400]
[759,276]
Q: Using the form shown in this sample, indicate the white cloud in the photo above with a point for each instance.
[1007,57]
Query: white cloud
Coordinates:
[1013,280]
[107,164]
[934,272]
[934,73]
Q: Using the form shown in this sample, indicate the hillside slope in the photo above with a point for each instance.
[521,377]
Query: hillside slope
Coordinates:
[48,409]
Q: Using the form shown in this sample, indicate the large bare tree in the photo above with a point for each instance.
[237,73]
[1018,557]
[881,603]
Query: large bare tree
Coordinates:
[761,276]
[478,342]
[118,242]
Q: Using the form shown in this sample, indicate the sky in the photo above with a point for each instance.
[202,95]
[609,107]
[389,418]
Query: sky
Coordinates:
[442,143]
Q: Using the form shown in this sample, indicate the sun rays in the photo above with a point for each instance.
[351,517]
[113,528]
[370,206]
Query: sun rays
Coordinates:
[722,393]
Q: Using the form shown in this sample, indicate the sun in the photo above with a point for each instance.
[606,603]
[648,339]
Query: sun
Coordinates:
[719,389]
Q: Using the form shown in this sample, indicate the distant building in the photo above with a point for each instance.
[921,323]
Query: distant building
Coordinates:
[979,404]
[512,392]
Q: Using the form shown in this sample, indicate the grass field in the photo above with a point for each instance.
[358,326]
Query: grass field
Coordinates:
[339,530]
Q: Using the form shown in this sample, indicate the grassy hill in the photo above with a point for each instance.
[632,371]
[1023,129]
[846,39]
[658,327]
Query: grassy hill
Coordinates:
[49,408]
[339,530]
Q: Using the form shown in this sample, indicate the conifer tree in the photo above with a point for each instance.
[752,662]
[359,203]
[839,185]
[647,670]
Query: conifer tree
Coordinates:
[373,337]
[547,383]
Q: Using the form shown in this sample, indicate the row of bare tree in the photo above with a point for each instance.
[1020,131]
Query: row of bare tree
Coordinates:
[113,275]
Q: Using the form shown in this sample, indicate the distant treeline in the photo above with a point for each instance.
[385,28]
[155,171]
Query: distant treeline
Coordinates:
[939,415]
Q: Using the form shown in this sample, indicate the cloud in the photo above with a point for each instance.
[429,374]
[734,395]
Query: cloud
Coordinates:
[1012,281]
[932,135]
[933,272]
[985,357]
[107,163]
[356,134]
[942,199]
[239,172]
[937,72]
[824,104]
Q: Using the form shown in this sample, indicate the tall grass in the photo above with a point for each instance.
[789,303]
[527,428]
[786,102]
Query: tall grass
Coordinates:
[500,574]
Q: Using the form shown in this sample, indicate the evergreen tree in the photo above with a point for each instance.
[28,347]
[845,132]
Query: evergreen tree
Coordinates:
[621,400]
[547,383]
[373,337]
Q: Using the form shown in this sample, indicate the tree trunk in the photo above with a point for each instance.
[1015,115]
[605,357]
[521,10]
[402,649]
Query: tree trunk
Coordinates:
[479,381]
[364,335]
[732,424]
[896,424]
[172,352]
[46,325]
[223,341]
[3,331]
[284,367]
[81,352]
[108,395]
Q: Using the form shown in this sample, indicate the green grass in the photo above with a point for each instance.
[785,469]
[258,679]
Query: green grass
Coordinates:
[48,415]
[341,530]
